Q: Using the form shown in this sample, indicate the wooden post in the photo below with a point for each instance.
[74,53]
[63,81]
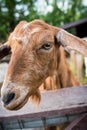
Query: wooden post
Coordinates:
[56,107]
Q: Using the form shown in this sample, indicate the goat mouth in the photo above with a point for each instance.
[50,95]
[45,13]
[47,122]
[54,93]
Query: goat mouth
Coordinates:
[21,104]
[18,106]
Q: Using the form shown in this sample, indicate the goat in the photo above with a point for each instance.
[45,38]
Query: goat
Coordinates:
[37,59]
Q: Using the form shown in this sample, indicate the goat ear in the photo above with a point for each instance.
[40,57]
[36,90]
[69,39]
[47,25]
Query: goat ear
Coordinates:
[71,42]
[4,50]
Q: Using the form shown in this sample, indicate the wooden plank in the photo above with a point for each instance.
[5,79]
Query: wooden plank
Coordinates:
[56,107]
[5,59]
[60,102]
[27,129]
[80,123]
[37,123]
[75,24]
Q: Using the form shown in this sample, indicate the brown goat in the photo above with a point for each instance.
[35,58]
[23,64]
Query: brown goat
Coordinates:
[37,59]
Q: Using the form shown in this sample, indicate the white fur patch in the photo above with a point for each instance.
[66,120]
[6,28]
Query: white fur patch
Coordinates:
[25,39]
[35,30]
[27,34]
[25,25]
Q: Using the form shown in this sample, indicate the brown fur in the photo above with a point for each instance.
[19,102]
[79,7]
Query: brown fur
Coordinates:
[60,77]
[38,61]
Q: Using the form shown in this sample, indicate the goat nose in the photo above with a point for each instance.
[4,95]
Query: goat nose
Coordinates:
[8,98]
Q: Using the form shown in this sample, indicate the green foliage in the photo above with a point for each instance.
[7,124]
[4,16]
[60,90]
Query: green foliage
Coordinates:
[55,17]
[11,12]
[74,11]
[84,78]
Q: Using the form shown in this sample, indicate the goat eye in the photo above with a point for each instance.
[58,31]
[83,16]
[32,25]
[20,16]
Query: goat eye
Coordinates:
[46,46]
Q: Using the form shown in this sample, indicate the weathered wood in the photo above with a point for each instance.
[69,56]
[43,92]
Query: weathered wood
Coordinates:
[6,59]
[56,107]
[75,24]
[79,26]
[4,51]
[80,123]
[3,68]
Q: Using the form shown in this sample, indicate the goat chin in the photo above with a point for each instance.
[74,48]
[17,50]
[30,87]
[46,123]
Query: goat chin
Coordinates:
[35,98]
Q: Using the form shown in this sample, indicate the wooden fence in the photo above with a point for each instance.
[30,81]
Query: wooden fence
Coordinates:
[56,107]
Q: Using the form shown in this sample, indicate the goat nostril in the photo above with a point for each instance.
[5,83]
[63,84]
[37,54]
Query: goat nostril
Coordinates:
[8,98]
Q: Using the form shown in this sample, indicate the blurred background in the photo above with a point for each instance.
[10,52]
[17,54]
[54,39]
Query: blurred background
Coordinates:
[55,12]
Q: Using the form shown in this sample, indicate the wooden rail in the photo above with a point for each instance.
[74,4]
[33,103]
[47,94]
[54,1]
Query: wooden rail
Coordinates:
[56,107]
[80,123]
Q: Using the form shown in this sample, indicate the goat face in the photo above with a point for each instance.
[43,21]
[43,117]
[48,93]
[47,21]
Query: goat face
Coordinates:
[32,56]
[33,48]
